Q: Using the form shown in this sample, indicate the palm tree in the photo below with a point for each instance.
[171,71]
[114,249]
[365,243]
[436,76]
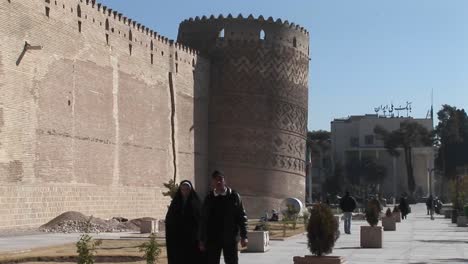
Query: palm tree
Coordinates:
[409,135]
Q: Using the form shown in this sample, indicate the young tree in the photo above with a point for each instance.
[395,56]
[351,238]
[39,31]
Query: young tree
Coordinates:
[365,171]
[409,135]
[452,139]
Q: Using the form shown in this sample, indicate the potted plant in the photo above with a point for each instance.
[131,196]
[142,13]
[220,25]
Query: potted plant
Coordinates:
[462,220]
[322,232]
[396,214]
[388,221]
[371,236]
[259,238]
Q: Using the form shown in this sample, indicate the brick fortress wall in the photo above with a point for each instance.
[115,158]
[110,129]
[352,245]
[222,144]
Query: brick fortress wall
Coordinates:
[98,117]
[258,104]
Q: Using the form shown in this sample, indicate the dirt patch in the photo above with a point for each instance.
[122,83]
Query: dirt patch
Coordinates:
[122,251]
[76,222]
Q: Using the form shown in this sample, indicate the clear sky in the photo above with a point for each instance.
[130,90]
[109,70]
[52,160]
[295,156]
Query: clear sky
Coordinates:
[364,53]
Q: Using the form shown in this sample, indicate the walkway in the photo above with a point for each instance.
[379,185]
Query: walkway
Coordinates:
[417,240]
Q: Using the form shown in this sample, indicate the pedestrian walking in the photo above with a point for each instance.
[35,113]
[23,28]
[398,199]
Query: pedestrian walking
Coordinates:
[182,226]
[404,207]
[347,205]
[429,203]
[223,221]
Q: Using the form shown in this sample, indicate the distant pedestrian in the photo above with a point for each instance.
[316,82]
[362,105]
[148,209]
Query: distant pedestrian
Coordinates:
[182,223]
[404,207]
[429,204]
[223,221]
[347,205]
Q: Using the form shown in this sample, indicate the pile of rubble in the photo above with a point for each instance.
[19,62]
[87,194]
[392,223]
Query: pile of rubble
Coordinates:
[76,222]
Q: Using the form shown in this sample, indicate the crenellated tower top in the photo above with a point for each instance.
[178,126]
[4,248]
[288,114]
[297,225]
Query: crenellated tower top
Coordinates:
[202,33]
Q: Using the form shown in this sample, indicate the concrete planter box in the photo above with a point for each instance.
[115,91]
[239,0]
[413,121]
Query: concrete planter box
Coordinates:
[454,216]
[447,213]
[371,236]
[319,260]
[462,221]
[259,241]
[149,226]
[388,223]
[397,216]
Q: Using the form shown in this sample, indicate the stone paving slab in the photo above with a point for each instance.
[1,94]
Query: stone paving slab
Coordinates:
[418,240]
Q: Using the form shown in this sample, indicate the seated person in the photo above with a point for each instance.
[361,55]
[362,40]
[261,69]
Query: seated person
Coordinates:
[274,216]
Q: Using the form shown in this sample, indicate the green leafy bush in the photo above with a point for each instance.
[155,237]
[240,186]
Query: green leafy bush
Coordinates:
[86,248]
[172,188]
[262,226]
[305,217]
[151,250]
[372,212]
[465,209]
[388,213]
[322,230]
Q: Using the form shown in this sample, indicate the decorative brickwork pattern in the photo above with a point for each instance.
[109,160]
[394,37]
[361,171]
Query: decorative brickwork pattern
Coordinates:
[258,104]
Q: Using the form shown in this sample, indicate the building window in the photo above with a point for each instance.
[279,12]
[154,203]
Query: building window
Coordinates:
[369,139]
[354,142]
[262,34]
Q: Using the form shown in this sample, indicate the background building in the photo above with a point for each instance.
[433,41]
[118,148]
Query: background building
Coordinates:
[354,139]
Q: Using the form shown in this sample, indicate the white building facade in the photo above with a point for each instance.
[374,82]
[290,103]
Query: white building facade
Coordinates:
[354,136]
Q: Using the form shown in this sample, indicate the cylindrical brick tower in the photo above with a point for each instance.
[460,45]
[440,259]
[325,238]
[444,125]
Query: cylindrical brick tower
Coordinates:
[257,104]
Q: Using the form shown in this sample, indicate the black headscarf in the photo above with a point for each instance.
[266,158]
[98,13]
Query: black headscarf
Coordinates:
[182,222]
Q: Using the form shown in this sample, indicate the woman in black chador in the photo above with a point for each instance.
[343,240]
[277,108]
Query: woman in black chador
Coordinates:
[182,222]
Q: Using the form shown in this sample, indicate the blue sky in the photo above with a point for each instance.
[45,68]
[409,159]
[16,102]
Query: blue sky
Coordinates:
[364,53]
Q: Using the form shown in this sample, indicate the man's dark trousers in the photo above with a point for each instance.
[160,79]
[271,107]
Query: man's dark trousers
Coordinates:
[229,252]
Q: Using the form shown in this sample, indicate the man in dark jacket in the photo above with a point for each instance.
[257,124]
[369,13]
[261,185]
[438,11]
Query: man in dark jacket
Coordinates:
[223,219]
[347,205]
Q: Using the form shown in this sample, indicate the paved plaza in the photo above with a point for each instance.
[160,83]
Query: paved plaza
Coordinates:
[417,240]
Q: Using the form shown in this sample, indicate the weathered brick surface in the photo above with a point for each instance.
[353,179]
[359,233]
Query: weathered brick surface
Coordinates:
[84,124]
[258,104]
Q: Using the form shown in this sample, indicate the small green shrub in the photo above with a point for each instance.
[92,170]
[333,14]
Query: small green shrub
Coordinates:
[388,213]
[172,188]
[151,250]
[290,216]
[305,217]
[262,226]
[322,230]
[465,209]
[86,248]
[372,212]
